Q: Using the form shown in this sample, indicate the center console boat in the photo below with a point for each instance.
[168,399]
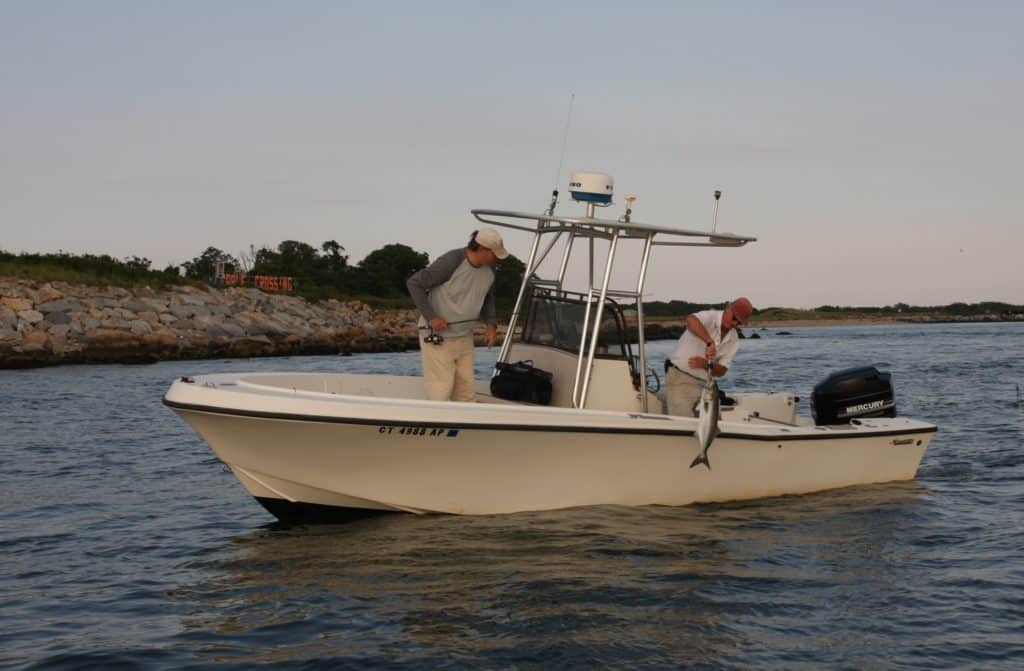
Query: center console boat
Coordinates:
[571,416]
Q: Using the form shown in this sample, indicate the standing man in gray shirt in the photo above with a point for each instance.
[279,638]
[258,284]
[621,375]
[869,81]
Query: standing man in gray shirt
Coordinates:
[452,293]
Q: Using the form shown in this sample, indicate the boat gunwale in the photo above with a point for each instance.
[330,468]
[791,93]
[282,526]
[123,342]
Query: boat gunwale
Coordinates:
[864,431]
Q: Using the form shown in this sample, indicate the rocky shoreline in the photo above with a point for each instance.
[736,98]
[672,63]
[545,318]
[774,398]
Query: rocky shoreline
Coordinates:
[58,323]
[53,323]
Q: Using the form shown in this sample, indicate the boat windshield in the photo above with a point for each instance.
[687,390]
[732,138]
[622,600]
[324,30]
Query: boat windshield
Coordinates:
[558,319]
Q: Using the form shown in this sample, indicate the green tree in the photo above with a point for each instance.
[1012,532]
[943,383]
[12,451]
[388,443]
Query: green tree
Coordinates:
[333,253]
[384,271]
[332,268]
[203,267]
[138,263]
[508,276]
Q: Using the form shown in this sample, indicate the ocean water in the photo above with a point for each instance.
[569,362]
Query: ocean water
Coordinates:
[124,543]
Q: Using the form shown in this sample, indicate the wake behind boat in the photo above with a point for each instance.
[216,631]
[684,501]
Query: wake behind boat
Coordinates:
[571,416]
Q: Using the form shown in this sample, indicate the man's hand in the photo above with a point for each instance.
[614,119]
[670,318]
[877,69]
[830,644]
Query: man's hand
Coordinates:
[710,351]
[700,363]
[491,335]
[438,324]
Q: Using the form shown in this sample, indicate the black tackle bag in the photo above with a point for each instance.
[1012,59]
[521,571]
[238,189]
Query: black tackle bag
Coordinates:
[521,381]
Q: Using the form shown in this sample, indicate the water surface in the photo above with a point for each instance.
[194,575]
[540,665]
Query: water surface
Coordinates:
[127,544]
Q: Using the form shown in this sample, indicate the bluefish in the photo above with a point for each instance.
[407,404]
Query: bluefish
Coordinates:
[707,422]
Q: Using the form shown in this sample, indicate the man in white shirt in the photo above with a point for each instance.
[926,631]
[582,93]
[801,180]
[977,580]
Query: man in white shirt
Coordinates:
[710,336]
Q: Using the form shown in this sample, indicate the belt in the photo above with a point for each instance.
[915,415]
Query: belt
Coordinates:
[670,364]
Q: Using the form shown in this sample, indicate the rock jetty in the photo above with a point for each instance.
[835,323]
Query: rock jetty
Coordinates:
[57,323]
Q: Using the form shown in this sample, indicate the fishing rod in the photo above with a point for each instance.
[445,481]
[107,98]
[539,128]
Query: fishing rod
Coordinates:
[435,338]
[714,223]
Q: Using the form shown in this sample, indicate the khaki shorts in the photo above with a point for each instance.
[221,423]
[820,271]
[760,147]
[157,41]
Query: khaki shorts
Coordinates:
[682,392]
[448,369]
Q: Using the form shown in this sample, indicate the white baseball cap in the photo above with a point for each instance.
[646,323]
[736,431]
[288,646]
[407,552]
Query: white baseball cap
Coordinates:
[489,238]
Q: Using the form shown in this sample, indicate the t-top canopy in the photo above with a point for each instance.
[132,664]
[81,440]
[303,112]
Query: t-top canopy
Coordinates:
[604,227]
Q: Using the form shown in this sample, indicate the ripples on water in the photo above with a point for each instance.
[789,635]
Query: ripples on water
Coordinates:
[126,544]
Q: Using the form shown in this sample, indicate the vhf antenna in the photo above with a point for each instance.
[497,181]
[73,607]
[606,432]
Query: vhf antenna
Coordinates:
[714,224]
[561,159]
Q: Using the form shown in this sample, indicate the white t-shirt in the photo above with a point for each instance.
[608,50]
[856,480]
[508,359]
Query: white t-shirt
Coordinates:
[690,345]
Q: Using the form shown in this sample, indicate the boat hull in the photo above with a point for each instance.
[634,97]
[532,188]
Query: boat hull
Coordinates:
[423,459]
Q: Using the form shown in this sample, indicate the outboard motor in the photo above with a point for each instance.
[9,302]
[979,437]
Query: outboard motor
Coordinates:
[853,393]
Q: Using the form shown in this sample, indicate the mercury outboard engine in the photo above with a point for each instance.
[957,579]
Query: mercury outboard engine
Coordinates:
[853,393]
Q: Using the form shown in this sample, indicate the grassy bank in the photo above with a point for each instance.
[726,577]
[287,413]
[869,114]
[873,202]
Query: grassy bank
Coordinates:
[89,269]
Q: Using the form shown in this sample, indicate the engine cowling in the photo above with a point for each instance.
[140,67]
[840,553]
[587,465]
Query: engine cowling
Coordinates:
[853,393]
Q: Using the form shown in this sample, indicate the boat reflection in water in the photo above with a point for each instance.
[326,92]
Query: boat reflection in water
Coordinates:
[704,584]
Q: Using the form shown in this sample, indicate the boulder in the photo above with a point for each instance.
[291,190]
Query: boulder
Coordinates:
[157,304]
[140,327]
[116,324]
[47,293]
[137,305]
[219,329]
[108,345]
[15,304]
[181,311]
[34,341]
[104,302]
[61,305]
[251,346]
[200,310]
[188,296]
[267,325]
[68,350]
[233,329]
[160,340]
[57,318]
[30,316]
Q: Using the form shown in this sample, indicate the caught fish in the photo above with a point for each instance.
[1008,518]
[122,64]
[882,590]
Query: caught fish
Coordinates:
[707,421]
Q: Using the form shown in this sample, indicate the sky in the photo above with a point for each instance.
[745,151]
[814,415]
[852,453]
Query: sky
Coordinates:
[873,148]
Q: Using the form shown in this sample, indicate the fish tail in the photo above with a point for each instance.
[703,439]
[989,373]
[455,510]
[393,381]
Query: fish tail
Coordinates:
[702,458]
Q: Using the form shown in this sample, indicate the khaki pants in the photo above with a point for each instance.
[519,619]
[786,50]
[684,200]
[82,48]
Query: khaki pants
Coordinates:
[682,392]
[448,369]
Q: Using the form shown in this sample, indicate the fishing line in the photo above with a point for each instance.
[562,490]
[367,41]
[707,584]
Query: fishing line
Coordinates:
[565,138]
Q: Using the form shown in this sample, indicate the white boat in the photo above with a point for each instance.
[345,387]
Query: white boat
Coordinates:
[340,446]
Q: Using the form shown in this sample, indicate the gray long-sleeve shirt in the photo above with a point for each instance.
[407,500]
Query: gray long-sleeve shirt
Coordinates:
[454,289]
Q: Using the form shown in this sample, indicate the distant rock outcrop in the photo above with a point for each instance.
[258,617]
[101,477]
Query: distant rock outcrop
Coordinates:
[54,323]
